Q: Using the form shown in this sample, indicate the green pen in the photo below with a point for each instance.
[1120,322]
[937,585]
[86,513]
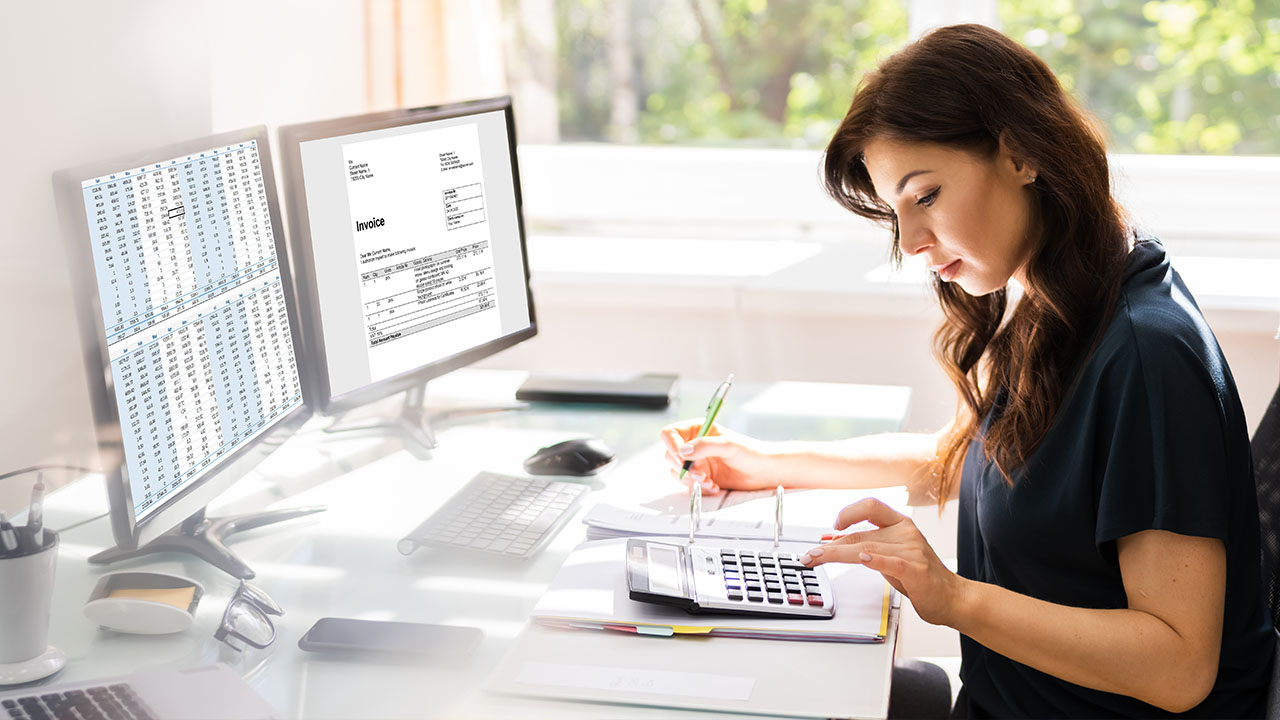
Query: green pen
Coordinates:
[713,409]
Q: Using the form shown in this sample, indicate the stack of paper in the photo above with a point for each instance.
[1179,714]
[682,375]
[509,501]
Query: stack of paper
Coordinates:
[807,515]
[590,593]
[610,521]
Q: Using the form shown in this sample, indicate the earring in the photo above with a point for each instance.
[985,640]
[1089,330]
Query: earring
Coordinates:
[1031,177]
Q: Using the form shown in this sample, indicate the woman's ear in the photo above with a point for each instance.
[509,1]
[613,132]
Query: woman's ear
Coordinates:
[1011,160]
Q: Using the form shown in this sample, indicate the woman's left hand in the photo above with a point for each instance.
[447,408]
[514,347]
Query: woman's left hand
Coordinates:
[897,550]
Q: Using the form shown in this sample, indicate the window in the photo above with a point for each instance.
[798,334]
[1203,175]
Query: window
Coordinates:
[1169,77]
[1165,76]
[741,71]
[741,95]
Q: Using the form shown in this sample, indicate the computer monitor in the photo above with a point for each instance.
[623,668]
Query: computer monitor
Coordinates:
[189,333]
[407,242]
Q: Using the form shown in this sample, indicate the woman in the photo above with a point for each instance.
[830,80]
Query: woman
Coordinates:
[1108,533]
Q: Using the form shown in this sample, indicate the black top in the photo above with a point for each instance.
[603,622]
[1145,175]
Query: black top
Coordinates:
[1151,437]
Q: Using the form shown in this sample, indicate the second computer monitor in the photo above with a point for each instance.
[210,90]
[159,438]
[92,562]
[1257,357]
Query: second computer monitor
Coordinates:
[408,245]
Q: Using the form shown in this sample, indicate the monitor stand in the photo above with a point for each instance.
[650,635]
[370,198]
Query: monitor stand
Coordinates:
[203,537]
[413,423]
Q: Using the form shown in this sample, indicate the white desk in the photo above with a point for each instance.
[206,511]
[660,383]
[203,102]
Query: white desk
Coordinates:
[343,562]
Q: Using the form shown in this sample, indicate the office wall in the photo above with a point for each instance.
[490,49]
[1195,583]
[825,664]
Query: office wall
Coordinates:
[285,61]
[81,82]
[86,81]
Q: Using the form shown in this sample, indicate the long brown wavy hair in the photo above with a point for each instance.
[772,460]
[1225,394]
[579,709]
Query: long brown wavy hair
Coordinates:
[966,87]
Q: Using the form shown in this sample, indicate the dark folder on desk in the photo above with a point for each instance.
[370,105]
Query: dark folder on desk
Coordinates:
[646,390]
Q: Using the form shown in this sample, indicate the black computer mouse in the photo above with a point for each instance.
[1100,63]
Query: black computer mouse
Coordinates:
[582,456]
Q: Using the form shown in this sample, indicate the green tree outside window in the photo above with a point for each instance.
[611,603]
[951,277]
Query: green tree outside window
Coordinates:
[1165,76]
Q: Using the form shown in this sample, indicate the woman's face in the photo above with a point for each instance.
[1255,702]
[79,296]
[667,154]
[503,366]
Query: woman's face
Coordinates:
[970,217]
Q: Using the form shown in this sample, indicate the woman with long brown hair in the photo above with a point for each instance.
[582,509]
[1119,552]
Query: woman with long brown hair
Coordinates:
[1108,533]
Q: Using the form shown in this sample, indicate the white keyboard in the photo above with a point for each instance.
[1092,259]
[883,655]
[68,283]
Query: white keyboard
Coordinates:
[499,514]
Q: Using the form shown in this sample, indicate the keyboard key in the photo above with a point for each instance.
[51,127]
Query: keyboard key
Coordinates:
[795,598]
[815,600]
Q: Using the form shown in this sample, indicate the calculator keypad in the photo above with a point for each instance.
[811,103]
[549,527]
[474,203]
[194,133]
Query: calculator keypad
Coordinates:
[765,578]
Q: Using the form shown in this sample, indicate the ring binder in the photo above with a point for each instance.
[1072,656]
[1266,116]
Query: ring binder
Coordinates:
[695,512]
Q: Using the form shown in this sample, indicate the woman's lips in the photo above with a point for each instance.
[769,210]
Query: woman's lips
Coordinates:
[947,271]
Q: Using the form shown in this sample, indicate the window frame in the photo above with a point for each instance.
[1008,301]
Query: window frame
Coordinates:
[1217,205]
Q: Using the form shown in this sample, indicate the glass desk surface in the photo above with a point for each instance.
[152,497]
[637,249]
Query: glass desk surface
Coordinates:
[343,562]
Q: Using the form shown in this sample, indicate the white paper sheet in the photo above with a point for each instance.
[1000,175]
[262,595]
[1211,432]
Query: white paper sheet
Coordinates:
[637,680]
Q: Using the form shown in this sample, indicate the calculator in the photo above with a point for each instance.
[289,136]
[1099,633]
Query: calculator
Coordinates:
[726,580]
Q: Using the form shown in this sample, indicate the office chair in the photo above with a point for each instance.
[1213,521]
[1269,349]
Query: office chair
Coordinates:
[1266,468]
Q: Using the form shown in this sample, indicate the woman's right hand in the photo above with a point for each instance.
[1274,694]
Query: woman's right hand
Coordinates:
[721,458]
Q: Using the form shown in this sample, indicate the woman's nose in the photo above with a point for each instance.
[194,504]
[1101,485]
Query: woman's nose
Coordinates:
[912,239]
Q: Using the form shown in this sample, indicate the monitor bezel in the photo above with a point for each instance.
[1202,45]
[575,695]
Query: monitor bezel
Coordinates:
[316,387]
[128,531]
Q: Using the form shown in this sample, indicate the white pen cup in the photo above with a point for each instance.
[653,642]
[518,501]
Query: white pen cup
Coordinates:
[27,579]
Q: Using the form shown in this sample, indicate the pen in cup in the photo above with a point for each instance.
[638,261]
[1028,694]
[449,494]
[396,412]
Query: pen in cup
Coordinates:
[8,536]
[713,409]
[35,515]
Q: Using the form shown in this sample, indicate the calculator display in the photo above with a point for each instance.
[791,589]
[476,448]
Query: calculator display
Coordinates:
[664,569]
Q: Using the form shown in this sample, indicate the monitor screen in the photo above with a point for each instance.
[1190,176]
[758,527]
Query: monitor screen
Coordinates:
[410,244]
[191,316]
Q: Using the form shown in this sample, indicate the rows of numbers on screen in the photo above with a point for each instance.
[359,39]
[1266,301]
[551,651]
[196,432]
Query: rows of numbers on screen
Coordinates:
[193,309]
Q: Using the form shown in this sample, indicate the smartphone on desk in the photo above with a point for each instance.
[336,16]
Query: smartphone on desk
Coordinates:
[332,634]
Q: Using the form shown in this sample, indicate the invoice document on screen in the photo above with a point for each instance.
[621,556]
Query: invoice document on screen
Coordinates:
[422,242]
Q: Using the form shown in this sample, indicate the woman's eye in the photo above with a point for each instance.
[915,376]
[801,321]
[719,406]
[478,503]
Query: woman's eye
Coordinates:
[927,200]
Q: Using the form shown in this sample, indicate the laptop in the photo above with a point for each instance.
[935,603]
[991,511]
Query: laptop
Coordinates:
[210,692]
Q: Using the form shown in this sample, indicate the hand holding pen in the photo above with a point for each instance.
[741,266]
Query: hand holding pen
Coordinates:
[701,452]
[695,489]
[713,409]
